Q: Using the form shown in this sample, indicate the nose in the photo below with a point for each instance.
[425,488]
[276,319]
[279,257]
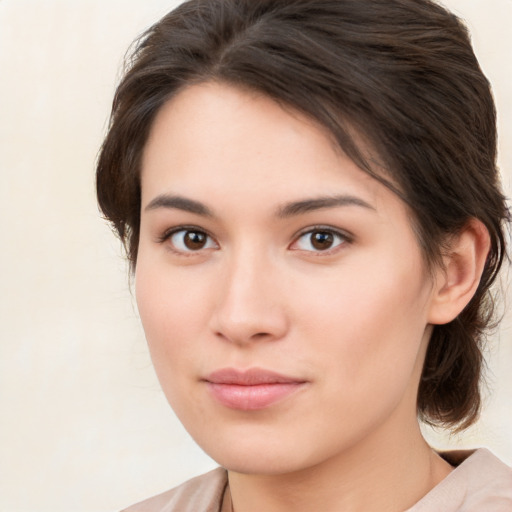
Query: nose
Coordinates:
[250,306]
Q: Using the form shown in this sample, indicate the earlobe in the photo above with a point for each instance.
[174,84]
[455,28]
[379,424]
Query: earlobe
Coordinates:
[457,281]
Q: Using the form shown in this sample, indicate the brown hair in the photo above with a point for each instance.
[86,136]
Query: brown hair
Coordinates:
[401,73]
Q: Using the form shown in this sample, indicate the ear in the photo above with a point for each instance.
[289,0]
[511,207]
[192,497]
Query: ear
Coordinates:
[457,281]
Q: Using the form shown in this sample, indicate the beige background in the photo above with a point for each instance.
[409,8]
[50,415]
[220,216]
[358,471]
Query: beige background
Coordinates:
[84,426]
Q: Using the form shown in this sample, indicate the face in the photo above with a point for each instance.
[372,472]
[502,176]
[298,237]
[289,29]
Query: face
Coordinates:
[282,290]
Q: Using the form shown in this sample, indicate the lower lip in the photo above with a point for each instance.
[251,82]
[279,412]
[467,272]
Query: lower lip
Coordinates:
[252,398]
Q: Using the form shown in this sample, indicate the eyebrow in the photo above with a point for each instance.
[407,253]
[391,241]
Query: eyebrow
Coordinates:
[288,210]
[309,205]
[179,203]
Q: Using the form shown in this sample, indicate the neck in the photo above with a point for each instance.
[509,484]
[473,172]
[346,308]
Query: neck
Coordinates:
[387,473]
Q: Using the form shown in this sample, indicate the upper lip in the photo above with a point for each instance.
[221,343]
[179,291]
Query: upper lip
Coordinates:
[250,377]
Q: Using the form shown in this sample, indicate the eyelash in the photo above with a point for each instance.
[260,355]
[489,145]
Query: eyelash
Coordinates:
[342,237]
[167,235]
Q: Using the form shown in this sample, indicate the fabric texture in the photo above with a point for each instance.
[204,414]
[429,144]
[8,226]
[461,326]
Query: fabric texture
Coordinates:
[203,493]
[479,483]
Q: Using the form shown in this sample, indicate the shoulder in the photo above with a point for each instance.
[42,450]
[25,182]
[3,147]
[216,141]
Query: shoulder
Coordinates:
[479,482]
[200,494]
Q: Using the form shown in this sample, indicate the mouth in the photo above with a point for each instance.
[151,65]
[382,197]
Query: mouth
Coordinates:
[251,389]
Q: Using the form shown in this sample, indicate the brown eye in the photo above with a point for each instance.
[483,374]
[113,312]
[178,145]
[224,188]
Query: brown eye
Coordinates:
[318,240]
[322,240]
[189,240]
[194,240]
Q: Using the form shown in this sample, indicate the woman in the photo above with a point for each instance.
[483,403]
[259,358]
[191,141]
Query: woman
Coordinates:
[308,195]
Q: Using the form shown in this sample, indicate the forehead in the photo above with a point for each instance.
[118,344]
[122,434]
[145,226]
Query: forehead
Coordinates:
[201,116]
[215,131]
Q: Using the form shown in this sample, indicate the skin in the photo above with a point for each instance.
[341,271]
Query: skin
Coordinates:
[352,321]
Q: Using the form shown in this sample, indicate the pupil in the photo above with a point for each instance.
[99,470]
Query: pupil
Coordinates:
[322,240]
[195,240]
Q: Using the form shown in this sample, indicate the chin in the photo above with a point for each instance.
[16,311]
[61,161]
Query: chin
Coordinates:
[259,463]
[262,453]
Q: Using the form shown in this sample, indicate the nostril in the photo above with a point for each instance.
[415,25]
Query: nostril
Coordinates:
[243,335]
[260,335]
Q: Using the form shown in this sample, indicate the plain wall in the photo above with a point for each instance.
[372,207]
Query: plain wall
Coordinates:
[84,426]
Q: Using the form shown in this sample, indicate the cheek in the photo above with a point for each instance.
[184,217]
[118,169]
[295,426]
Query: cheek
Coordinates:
[170,309]
[168,295]
[370,324]
[173,309]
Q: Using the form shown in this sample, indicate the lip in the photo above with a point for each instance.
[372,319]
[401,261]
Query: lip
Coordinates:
[251,389]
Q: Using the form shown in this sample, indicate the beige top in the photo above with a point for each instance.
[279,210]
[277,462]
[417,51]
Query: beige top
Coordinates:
[480,483]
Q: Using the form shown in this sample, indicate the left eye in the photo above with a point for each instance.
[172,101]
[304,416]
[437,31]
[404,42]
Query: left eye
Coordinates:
[319,240]
[189,240]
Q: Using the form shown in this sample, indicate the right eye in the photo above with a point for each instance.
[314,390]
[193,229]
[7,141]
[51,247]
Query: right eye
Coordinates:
[190,240]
